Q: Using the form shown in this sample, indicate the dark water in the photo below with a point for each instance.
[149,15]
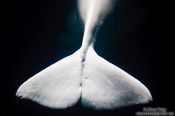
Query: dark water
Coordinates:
[40,32]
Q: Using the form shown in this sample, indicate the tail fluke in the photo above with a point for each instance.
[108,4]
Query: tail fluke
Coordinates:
[97,82]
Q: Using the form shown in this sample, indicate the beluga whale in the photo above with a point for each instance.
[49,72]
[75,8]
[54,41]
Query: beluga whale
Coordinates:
[84,76]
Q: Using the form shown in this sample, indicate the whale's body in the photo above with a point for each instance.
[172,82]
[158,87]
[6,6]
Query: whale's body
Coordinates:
[84,76]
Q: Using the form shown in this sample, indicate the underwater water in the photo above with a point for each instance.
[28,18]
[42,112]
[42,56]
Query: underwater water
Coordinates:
[35,31]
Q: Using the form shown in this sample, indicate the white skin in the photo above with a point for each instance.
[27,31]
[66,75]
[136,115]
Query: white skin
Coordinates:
[92,13]
[84,74]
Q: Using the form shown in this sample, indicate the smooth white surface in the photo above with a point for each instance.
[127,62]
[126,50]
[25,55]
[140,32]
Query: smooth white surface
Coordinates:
[97,82]
[104,86]
[92,13]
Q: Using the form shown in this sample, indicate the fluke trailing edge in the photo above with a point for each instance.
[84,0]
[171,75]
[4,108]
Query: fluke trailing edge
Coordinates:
[84,75]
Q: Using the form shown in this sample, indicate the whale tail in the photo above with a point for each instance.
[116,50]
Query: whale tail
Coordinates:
[97,82]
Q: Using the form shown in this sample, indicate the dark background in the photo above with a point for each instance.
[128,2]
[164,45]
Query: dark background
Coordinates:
[41,32]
